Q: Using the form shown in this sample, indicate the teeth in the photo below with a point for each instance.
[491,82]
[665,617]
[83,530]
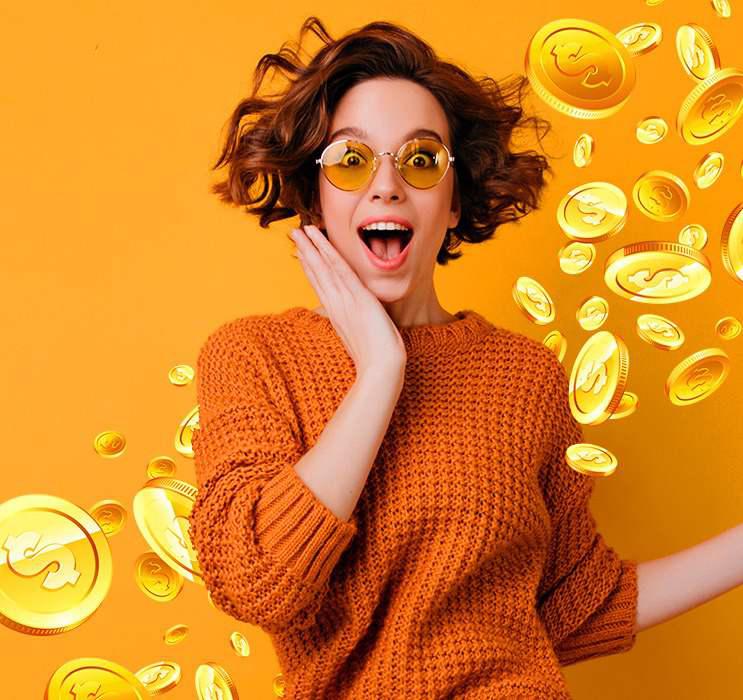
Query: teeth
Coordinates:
[385,226]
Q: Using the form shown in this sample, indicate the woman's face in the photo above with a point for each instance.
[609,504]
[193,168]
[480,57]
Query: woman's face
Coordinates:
[385,111]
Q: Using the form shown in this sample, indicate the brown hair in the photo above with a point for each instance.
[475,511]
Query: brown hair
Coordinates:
[273,140]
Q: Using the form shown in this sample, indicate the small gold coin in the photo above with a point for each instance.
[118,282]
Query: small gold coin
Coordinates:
[212,681]
[161,466]
[186,431]
[583,150]
[627,406]
[110,515]
[160,676]
[661,195]
[641,38]
[698,376]
[694,235]
[109,443]
[556,342]
[660,332]
[697,52]
[240,644]
[651,130]
[533,300]
[156,579]
[591,460]
[592,313]
[576,257]
[709,169]
[593,211]
[657,272]
[175,634]
[728,327]
[279,685]
[580,68]
[180,375]
[722,8]
[89,677]
[731,243]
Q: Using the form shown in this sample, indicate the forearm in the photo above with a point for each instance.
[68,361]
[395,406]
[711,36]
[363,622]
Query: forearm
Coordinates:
[684,580]
[336,468]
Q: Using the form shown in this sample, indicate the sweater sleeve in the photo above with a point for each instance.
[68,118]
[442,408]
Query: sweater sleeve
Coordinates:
[587,596]
[265,544]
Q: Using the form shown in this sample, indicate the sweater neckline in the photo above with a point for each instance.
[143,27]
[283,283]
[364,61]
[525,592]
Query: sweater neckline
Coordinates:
[421,339]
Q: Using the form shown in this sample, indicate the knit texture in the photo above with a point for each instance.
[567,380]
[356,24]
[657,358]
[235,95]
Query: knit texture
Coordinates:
[471,566]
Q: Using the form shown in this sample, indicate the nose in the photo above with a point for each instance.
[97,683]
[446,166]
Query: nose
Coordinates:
[386,181]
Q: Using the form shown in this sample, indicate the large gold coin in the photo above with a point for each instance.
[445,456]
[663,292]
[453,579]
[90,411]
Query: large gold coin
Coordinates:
[580,68]
[661,195]
[641,38]
[156,579]
[94,678]
[184,434]
[657,272]
[593,211]
[533,300]
[212,681]
[712,107]
[55,564]
[160,676]
[110,515]
[660,332]
[731,243]
[698,376]
[697,52]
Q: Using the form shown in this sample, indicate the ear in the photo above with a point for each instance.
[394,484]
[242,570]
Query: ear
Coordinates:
[456,208]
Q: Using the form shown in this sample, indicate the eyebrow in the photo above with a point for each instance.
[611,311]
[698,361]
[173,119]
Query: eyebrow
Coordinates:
[361,134]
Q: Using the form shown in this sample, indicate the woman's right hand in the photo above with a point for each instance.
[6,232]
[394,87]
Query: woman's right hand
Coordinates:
[362,323]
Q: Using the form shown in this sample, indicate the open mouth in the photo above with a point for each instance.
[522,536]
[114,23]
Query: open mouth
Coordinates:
[386,244]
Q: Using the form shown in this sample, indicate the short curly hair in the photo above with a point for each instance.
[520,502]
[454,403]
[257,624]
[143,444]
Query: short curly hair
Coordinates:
[276,138]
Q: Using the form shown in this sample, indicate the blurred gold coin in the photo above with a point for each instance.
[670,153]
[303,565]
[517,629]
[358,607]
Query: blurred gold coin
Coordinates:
[175,634]
[722,8]
[161,509]
[279,685]
[694,235]
[583,150]
[185,433]
[591,460]
[110,515]
[576,257]
[697,52]
[533,300]
[709,169]
[160,676]
[651,130]
[580,68]
[556,342]
[731,243]
[660,332]
[593,211]
[592,313]
[212,681]
[109,443]
[55,564]
[161,466]
[180,375]
[698,376]
[89,677]
[641,38]
[712,107]
[598,378]
[653,3]
[661,195]
[728,327]
[156,579]
[240,644]
[627,406]
[657,272]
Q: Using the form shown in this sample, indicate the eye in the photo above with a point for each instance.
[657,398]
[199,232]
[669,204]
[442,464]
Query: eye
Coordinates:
[421,159]
[352,159]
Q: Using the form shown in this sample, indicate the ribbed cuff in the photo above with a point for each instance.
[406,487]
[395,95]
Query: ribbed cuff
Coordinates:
[298,528]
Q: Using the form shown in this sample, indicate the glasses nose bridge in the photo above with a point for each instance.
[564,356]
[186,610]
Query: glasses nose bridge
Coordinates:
[378,159]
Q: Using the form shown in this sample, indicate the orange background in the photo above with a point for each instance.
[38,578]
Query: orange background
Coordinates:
[118,263]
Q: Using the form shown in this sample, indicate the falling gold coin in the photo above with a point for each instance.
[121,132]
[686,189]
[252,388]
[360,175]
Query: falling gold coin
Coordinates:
[156,579]
[175,634]
[161,466]
[279,685]
[728,327]
[698,376]
[556,342]
[240,644]
[109,443]
[651,130]
[110,515]
[180,375]
[185,433]
[593,211]
[697,52]
[660,332]
[661,195]
[89,677]
[653,3]
[592,313]
[712,107]
[709,169]
[641,38]
[627,406]
[657,272]
[580,68]
[55,564]
[212,681]
[591,460]
[533,300]
[731,243]
[576,257]
[160,676]
[722,8]
[694,235]
[583,151]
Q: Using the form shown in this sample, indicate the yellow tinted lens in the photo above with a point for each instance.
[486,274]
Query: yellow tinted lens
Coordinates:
[423,162]
[347,164]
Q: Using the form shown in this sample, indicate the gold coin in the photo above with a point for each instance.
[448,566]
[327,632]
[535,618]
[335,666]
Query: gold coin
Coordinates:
[722,8]
[160,676]
[661,195]
[556,342]
[161,509]
[55,564]
[709,169]
[279,685]
[591,460]
[110,515]
[653,3]
[593,211]
[697,52]
[160,466]
[657,272]
[156,579]
[175,634]
[240,644]
[109,443]
[180,375]
[660,332]
[694,235]
[728,327]
[213,681]
[592,313]
[533,300]
[598,378]
[651,130]
[627,406]
[580,68]
[731,243]
[712,107]
[697,376]
[583,150]
[89,677]
[185,433]
[576,257]
[641,38]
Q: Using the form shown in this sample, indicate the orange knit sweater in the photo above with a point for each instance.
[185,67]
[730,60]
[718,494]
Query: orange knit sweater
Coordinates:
[471,566]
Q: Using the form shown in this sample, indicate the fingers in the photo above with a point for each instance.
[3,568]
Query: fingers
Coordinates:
[315,267]
[332,256]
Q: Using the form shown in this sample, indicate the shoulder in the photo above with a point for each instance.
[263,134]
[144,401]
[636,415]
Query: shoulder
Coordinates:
[528,354]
